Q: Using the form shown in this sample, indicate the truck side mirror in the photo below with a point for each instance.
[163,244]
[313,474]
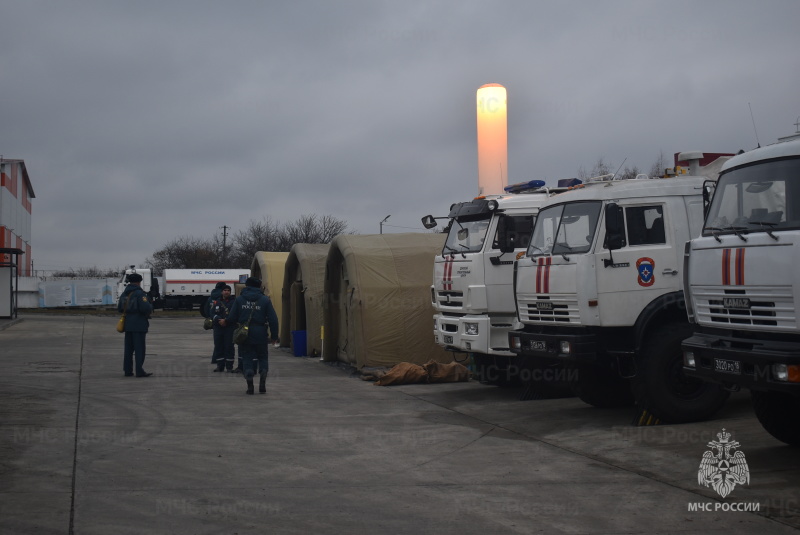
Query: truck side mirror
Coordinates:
[615,227]
[708,192]
[428,222]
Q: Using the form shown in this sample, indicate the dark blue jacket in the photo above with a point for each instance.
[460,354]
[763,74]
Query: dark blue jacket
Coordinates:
[139,309]
[205,308]
[263,313]
[219,308]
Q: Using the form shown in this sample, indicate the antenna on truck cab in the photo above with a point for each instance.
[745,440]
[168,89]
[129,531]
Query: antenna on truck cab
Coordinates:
[754,124]
[618,168]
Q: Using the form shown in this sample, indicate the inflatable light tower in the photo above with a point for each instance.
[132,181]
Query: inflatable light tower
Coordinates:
[492,139]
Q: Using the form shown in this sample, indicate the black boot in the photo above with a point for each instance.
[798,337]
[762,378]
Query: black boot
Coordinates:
[262,384]
[250,388]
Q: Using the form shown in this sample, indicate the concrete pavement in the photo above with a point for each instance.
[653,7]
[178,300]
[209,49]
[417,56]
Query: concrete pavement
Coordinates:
[85,450]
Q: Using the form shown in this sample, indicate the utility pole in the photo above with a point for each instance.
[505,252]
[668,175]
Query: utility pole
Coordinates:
[224,245]
[384,221]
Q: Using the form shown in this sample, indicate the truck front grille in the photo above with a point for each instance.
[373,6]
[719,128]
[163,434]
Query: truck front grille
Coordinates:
[550,309]
[759,307]
[450,299]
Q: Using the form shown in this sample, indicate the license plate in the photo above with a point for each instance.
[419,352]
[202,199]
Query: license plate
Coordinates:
[448,339]
[538,344]
[728,366]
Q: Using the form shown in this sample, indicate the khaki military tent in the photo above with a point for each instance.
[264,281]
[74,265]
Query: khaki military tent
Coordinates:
[303,287]
[378,308]
[269,267]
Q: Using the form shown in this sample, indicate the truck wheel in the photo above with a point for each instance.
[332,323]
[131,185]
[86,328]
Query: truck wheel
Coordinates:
[777,413]
[661,387]
[601,387]
[543,380]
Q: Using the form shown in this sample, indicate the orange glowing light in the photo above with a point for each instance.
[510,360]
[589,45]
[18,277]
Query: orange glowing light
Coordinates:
[492,139]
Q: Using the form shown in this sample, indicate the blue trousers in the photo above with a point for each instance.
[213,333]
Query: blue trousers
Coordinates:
[250,353]
[223,347]
[134,343]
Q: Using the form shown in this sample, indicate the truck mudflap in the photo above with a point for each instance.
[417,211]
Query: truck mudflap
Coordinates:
[566,348]
[743,363]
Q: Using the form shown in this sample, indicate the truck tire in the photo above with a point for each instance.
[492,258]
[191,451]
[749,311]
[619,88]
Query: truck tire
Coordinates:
[777,412]
[601,387]
[543,380]
[661,387]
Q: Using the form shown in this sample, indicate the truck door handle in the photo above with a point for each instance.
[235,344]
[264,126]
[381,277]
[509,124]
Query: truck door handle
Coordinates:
[669,271]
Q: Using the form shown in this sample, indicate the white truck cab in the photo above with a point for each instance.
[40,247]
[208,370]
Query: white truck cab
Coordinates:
[743,285]
[472,291]
[150,284]
[600,292]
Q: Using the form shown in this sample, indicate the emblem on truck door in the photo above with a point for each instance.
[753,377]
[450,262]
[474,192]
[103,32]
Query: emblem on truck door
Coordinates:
[645,266]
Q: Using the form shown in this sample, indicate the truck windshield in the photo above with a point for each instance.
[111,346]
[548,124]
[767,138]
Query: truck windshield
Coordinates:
[761,197]
[466,236]
[565,229]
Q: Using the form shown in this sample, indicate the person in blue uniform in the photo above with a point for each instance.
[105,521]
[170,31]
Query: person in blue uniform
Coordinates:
[137,307]
[205,311]
[223,335]
[256,308]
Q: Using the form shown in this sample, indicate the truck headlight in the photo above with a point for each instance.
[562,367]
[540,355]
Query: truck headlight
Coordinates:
[515,342]
[786,373]
[565,347]
[688,359]
[471,328]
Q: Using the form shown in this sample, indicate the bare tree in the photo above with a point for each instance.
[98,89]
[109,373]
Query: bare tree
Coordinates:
[330,227]
[261,235]
[186,252]
[264,235]
[628,173]
[88,273]
[658,167]
[312,229]
[600,168]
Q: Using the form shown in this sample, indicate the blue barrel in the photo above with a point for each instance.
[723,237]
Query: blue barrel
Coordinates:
[299,343]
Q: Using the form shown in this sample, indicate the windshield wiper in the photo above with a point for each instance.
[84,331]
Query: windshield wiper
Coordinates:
[714,232]
[736,230]
[564,246]
[767,226]
[538,248]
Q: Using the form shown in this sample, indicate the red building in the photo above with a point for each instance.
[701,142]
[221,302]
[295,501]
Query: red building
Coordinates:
[15,212]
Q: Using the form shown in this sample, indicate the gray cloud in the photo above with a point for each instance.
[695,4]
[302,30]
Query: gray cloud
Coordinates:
[142,122]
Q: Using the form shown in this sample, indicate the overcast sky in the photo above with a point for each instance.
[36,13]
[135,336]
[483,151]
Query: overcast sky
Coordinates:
[141,122]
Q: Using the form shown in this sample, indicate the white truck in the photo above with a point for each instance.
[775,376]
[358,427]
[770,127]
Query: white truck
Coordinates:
[600,292]
[150,284]
[472,290]
[183,288]
[743,285]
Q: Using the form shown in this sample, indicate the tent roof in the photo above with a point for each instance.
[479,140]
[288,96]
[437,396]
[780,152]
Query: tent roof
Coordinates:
[379,289]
